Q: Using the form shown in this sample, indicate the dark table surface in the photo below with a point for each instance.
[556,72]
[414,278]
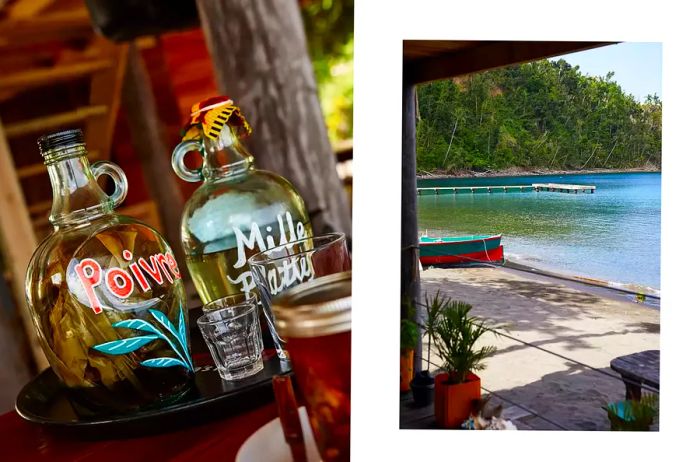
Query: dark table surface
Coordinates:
[214,440]
[218,440]
[642,367]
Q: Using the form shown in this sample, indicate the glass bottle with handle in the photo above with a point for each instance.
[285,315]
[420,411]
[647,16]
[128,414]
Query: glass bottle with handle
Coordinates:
[238,210]
[105,292]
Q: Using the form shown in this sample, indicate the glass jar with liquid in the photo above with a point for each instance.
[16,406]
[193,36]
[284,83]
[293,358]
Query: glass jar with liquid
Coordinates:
[238,210]
[105,292]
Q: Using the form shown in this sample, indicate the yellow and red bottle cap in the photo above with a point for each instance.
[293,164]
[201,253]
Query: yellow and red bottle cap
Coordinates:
[212,114]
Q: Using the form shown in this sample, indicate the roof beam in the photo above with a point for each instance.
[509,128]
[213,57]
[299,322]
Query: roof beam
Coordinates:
[27,8]
[39,168]
[42,28]
[49,76]
[17,241]
[489,55]
[44,123]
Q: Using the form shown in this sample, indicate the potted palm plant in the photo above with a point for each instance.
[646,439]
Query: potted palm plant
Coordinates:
[633,415]
[456,334]
[409,339]
[423,384]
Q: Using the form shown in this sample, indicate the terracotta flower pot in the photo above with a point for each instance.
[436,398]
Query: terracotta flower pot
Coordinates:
[453,402]
[406,370]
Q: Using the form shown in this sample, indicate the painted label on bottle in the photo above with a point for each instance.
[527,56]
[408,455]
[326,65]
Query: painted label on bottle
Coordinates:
[127,275]
[292,269]
[157,269]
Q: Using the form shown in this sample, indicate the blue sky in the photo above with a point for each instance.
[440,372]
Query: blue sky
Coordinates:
[637,66]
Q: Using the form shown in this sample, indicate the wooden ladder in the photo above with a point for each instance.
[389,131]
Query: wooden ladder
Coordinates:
[44,45]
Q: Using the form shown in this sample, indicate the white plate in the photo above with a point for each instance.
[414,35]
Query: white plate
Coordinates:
[268,444]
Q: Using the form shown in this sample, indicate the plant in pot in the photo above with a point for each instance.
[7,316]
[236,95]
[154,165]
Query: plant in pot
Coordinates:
[423,384]
[631,415]
[456,334]
[409,339]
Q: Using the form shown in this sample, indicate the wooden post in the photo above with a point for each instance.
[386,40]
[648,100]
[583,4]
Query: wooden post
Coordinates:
[18,241]
[105,90]
[410,278]
[258,48]
[15,371]
[148,138]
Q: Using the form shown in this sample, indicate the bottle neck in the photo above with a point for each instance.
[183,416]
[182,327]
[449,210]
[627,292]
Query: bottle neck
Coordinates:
[225,156]
[77,197]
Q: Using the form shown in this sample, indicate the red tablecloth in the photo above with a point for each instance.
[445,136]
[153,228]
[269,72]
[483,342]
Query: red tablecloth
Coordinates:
[217,441]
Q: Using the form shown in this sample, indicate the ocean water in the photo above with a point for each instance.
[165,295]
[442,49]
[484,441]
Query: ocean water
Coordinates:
[613,234]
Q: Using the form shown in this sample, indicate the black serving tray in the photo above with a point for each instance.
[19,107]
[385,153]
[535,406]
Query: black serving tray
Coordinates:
[44,401]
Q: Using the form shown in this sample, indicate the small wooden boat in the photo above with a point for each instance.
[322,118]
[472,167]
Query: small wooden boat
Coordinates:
[480,248]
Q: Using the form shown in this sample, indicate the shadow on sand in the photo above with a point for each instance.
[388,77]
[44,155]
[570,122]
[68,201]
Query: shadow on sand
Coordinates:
[546,313]
[573,399]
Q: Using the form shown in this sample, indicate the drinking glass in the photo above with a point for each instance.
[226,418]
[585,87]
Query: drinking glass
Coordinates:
[280,268]
[315,320]
[231,330]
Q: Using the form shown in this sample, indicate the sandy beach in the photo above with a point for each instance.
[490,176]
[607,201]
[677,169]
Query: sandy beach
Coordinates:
[587,324]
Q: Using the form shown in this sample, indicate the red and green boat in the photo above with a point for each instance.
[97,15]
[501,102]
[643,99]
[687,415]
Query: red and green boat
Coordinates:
[478,248]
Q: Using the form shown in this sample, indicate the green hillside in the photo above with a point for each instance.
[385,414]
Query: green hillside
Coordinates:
[540,115]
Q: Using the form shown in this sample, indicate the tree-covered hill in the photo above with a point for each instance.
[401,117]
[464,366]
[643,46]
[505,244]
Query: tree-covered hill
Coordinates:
[539,115]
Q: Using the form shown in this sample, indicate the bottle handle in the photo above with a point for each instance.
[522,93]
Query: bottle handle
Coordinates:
[178,161]
[121,185]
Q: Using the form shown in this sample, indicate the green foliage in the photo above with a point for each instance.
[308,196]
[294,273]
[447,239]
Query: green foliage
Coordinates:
[433,307]
[544,114]
[329,32]
[456,335]
[410,330]
[336,93]
[329,25]
[633,415]
[409,334]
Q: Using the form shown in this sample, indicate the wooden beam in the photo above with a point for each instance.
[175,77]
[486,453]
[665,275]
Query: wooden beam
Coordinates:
[485,56]
[27,8]
[148,138]
[45,123]
[42,28]
[39,168]
[18,241]
[40,207]
[145,211]
[15,372]
[40,223]
[343,150]
[39,77]
[31,170]
[105,90]
[410,277]
[261,61]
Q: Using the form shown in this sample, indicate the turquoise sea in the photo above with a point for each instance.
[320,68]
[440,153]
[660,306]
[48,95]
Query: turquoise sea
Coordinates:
[613,234]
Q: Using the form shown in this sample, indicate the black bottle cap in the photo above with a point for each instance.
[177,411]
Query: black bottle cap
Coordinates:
[62,139]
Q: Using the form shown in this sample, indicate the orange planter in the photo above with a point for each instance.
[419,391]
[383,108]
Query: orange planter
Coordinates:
[453,403]
[406,369]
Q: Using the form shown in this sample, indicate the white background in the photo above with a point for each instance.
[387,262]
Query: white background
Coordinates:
[380,27]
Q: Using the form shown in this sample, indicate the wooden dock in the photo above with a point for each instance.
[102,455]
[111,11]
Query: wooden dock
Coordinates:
[566,188]
[473,190]
[537,187]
